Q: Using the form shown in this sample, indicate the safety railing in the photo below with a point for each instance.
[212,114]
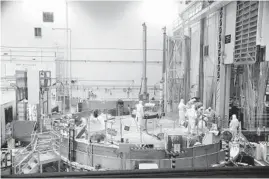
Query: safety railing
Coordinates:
[6,160]
[119,162]
[259,120]
[22,157]
[22,154]
[205,161]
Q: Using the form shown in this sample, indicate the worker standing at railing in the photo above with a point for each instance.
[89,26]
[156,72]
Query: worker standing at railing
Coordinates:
[234,125]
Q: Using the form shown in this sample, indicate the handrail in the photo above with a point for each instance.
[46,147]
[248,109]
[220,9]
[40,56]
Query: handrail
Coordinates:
[33,146]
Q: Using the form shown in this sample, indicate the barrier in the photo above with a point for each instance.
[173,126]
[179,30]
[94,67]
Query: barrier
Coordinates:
[111,157]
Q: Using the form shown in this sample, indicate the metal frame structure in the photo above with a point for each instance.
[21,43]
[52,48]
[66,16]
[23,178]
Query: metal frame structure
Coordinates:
[174,72]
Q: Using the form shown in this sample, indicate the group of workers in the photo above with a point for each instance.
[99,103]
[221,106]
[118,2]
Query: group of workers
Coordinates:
[196,118]
[192,115]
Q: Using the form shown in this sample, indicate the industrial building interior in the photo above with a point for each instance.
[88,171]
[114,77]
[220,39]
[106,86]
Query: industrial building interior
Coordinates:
[147,88]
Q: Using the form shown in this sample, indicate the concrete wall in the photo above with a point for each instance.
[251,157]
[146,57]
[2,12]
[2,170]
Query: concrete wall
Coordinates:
[94,25]
[230,30]
[195,58]
[210,61]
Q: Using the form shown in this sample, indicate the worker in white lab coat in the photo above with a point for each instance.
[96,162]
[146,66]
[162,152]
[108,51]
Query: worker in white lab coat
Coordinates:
[181,112]
[234,125]
[140,116]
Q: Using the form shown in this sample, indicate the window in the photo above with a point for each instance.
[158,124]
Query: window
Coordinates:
[38,32]
[48,17]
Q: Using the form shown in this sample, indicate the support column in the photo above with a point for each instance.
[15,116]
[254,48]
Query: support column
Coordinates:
[227,94]
[201,62]
[187,57]
[221,90]
[164,70]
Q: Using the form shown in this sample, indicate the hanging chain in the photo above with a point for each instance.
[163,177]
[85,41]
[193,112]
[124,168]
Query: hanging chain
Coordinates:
[219,45]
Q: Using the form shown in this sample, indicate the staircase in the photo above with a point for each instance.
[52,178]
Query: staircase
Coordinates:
[45,149]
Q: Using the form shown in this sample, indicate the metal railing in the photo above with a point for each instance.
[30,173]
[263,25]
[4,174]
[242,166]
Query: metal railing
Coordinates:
[6,160]
[24,156]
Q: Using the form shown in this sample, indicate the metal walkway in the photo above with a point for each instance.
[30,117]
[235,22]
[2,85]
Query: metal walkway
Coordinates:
[44,148]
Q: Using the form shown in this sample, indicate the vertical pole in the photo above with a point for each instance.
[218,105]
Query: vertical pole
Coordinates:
[140,136]
[122,140]
[59,165]
[40,164]
[42,117]
[163,68]
[201,62]
[110,134]
[144,58]
[264,133]
[63,107]
[70,58]
[173,162]
[106,131]
[227,151]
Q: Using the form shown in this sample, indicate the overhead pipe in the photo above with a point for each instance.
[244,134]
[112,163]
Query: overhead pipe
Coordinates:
[85,61]
[81,48]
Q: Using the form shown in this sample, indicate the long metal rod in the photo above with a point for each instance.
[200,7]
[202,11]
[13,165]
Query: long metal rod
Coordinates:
[68,52]
[70,66]
[164,66]
[144,58]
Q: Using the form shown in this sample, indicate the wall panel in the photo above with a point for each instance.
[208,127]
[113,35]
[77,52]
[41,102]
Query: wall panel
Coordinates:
[94,25]
[210,61]
[195,57]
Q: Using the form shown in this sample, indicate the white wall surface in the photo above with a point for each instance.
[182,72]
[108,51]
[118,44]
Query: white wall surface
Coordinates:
[195,58]
[230,30]
[7,96]
[210,61]
[112,24]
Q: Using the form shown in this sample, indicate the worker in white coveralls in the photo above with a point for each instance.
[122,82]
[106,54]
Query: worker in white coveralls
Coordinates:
[192,119]
[181,112]
[234,125]
[202,125]
[139,116]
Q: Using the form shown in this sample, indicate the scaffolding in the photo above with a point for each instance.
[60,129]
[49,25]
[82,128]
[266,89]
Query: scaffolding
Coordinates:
[174,72]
